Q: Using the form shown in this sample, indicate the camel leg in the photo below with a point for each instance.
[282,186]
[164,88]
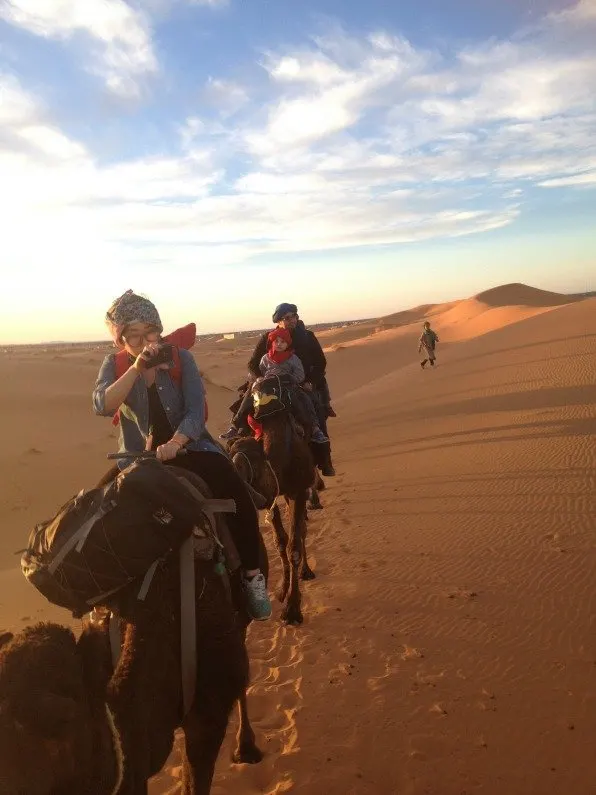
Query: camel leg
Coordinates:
[314,502]
[319,482]
[126,685]
[281,543]
[246,751]
[292,613]
[306,573]
[203,736]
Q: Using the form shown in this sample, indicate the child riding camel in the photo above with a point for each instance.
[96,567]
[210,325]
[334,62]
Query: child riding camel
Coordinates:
[426,345]
[280,360]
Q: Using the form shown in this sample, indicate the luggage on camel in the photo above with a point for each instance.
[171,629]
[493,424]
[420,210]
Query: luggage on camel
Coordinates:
[104,539]
[271,395]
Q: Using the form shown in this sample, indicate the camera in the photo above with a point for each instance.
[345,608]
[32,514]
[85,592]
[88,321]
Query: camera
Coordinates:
[163,356]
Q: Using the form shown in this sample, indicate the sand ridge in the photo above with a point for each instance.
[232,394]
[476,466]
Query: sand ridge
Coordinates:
[448,642]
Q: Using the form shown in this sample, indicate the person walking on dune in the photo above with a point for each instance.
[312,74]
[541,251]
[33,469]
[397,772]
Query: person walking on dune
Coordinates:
[426,345]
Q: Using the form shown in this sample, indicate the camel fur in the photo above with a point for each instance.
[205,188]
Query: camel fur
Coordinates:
[69,723]
[281,464]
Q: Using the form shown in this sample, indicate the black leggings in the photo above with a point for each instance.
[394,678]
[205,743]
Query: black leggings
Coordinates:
[225,483]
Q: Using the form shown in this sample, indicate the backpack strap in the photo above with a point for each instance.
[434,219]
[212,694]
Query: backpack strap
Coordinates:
[175,372]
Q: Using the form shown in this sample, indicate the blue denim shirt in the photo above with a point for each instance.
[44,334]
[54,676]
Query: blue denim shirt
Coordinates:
[184,405]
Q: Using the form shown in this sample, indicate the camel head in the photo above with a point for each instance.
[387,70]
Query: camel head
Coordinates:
[50,730]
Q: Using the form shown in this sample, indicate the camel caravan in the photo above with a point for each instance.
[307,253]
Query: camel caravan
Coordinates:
[164,563]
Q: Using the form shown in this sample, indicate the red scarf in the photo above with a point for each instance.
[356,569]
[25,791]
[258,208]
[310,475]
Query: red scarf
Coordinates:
[279,356]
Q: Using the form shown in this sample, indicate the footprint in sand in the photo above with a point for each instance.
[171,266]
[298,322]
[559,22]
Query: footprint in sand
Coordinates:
[438,709]
[411,653]
[462,593]
[487,701]
[429,680]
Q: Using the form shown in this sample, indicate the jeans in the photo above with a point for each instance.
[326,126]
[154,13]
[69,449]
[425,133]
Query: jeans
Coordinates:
[318,402]
[240,418]
[305,413]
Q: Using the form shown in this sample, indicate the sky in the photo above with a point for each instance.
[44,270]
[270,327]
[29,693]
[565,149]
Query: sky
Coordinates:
[355,158]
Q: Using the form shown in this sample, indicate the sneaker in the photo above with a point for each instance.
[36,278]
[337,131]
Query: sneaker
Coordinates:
[319,437]
[257,598]
[328,471]
[231,433]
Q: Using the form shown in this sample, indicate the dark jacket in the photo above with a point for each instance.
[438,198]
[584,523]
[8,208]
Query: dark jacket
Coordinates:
[306,347]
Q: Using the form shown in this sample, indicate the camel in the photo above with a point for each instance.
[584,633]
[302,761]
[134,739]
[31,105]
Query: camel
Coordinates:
[321,454]
[281,464]
[71,723]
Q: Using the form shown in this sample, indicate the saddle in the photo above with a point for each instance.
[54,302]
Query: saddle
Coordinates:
[271,395]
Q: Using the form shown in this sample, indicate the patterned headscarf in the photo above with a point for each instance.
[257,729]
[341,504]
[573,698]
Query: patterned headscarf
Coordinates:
[131,308]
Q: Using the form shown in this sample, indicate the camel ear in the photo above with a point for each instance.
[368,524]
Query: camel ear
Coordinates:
[55,715]
[5,637]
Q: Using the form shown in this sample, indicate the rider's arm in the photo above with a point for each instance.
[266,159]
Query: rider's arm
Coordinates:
[192,424]
[109,392]
[318,363]
[259,352]
[297,370]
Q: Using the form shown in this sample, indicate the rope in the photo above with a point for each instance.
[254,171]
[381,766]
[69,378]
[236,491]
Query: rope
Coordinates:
[117,748]
[247,459]
[268,514]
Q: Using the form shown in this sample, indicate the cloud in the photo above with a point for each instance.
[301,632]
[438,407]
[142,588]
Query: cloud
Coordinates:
[226,96]
[336,93]
[122,50]
[578,14]
[579,180]
[164,7]
[350,141]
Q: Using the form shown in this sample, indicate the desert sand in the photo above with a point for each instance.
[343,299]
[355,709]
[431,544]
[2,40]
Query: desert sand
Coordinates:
[449,642]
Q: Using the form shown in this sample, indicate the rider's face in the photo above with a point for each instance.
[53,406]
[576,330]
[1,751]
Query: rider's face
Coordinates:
[279,344]
[137,335]
[288,321]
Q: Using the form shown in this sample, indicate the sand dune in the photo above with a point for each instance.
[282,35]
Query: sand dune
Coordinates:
[520,295]
[494,309]
[448,644]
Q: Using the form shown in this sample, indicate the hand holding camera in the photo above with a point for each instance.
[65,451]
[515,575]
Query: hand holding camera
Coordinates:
[155,354]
